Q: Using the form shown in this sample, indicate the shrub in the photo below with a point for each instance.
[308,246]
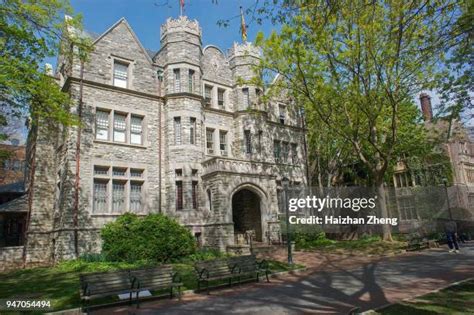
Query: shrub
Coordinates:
[204,254]
[154,237]
[310,239]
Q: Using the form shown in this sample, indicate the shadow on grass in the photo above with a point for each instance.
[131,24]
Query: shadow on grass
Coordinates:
[458,299]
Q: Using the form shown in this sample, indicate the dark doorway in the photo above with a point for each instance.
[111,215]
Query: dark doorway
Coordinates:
[246,213]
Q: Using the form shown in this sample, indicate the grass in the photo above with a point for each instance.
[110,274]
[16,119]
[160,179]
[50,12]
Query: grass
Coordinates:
[60,284]
[366,245]
[454,300]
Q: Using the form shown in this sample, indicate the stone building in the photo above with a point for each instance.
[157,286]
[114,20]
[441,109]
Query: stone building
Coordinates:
[456,145]
[174,132]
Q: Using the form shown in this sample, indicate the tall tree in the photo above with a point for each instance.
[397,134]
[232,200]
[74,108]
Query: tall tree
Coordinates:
[30,31]
[357,64]
[456,82]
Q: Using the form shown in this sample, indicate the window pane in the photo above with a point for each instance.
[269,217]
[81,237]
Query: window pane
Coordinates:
[177,81]
[120,126]
[192,130]
[285,151]
[118,197]
[191,81]
[220,97]
[246,97]
[248,141]
[208,94]
[282,113]
[223,142]
[177,130]
[100,197]
[119,171]
[194,194]
[136,173]
[210,141]
[136,130]
[102,125]
[294,153]
[179,195]
[101,170]
[135,197]
[276,150]
[120,74]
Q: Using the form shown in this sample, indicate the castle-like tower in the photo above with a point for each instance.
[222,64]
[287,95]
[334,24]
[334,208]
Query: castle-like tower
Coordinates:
[176,131]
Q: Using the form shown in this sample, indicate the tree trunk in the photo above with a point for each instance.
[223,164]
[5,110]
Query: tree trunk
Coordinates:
[386,230]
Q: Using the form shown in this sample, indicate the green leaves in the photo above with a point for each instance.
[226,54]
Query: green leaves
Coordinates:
[154,237]
[31,30]
[355,66]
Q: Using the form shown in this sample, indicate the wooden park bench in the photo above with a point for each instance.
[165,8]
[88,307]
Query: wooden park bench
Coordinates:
[104,284]
[218,269]
[153,279]
[248,266]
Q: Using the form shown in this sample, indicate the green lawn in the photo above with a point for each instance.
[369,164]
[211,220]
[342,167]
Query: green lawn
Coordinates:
[455,300]
[60,284]
[368,246]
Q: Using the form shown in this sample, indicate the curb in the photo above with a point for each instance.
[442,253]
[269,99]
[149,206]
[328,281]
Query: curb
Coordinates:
[376,310]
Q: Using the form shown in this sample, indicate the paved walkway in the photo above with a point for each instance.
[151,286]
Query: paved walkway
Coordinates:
[333,285]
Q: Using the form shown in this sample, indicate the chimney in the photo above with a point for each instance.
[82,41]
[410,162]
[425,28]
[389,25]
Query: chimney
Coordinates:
[425,101]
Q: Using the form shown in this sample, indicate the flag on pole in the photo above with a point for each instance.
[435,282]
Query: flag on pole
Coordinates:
[181,7]
[243,28]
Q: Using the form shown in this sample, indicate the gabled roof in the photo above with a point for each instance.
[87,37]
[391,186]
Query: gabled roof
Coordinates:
[124,21]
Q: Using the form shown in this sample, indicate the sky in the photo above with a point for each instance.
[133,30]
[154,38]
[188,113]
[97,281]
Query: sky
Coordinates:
[146,16]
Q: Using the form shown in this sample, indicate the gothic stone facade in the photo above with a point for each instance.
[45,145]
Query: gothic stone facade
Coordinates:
[171,132]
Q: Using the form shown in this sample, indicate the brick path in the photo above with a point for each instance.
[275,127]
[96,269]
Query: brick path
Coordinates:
[332,285]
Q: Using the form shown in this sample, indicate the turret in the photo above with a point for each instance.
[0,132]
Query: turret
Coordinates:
[181,48]
[242,59]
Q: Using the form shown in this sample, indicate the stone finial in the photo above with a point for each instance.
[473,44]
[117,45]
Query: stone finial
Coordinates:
[181,24]
[245,49]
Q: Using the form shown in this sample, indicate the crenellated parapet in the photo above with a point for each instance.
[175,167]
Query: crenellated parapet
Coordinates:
[244,50]
[181,24]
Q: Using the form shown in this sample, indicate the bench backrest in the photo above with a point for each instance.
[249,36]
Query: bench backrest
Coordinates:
[215,268]
[246,263]
[157,277]
[103,283]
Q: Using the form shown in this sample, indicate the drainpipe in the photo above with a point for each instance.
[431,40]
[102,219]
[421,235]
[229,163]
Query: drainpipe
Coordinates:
[160,79]
[78,164]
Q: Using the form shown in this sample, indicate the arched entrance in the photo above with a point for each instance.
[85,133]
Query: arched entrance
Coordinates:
[246,213]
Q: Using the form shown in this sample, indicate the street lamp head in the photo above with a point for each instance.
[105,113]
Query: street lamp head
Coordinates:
[285,182]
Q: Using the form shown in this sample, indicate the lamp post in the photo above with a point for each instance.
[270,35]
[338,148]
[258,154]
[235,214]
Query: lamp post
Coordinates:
[285,183]
[445,182]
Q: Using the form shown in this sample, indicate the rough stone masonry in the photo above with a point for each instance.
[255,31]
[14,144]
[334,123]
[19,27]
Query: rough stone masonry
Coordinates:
[173,131]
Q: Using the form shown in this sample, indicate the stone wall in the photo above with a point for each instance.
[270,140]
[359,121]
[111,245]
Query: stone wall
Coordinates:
[219,176]
[11,258]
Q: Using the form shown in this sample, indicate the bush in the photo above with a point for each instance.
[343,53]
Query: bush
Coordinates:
[204,254]
[154,237]
[310,239]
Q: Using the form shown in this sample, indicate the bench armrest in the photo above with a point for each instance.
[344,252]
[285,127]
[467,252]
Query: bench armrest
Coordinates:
[263,264]
[176,278]
[85,290]
[135,283]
